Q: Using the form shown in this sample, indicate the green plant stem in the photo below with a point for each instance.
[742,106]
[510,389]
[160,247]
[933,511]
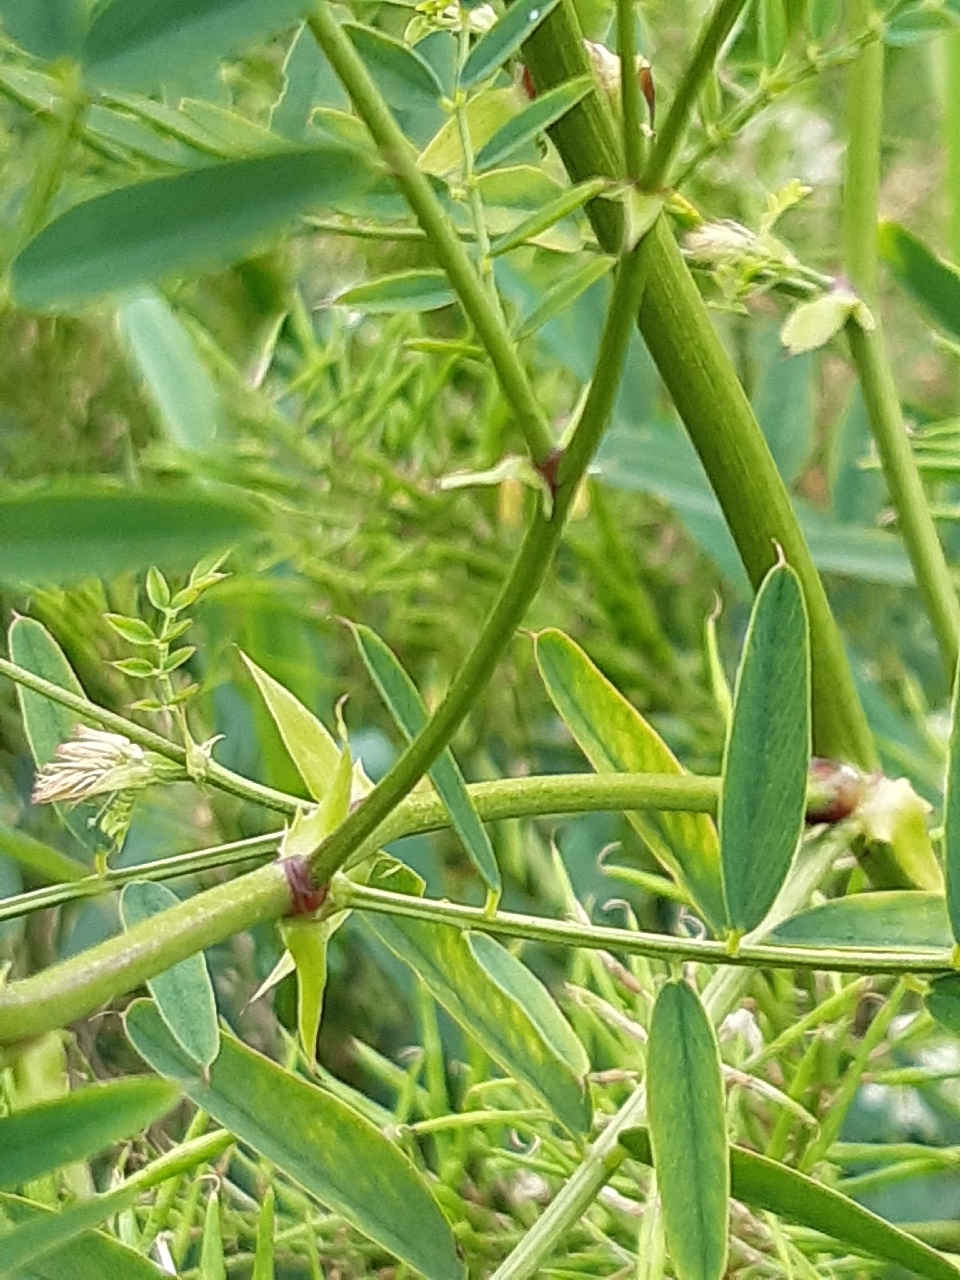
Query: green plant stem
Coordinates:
[951,136]
[722,992]
[670,136]
[916,524]
[861,173]
[699,375]
[216,774]
[629,88]
[401,159]
[76,987]
[526,576]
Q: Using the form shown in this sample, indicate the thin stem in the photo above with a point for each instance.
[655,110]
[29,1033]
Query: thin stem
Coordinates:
[629,87]
[861,177]
[915,521]
[401,159]
[691,84]
[215,774]
[526,576]
[472,187]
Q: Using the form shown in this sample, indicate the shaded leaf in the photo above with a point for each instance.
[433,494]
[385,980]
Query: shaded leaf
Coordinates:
[503,39]
[139,44]
[615,738]
[767,758]
[426,290]
[87,1256]
[892,918]
[406,706]
[183,993]
[312,1137]
[533,120]
[85,529]
[951,816]
[263,1257]
[547,216]
[193,221]
[686,1105]
[212,1266]
[565,293]
[45,1137]
[764,1184]
[175,377]
[47,29]
[930,281]
[496,1010]
[943,1002]
[406,80]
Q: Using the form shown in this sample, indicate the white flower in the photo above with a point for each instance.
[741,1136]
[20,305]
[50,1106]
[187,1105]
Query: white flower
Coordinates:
[93,763]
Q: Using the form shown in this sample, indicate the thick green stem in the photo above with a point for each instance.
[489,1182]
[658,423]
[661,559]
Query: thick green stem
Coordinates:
[691,84]
[76,987]
[401,159]
[699,375]
[525,578]
[915,522]
[629,87]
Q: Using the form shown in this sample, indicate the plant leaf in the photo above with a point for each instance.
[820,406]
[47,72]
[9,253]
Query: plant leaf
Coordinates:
[45,1137]
[85,529]
[314,1138]
[615,738]
[892,919]
[533,120]
[767,758]
[184,993]
[951,816]
[263,1258]
[943,1002]
[83,1255]
[503,39]
[426,290]
[406,706]
[177,381]
[138,44]
[685,1102]
[311,747]
[549,215]
[930,281]
[480,990]
[764,1184]
[46,723]
[49,30]
[206,217]
[212,1266]
[565,293]
[813,324]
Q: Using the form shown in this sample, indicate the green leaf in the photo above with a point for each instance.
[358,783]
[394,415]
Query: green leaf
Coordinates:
[813,324]
[212,1266]
[426,290]
[930,281]
[772,31]
[194,221]
[133,630]
[951,816]
[767,758]
[400,695]
[892,918]
[86,1256]
[139,44]
[565,293]
[406,80]
[615,738]
[162,352]
[312,1137]
[533,120]
[310,746]
[47,29]
[549,215]
[47,724]
[943,1002]
[183,994]
[503,39]
[685,1102]
[263,1258]
[307,942]
[82,1124]
[764,1184]
[486,112]
[67,532]
[481,991]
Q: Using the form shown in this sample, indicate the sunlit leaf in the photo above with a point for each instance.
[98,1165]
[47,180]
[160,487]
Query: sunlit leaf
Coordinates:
[426,290]
[533,120]
[503,39]
[892,919]
[615,738]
